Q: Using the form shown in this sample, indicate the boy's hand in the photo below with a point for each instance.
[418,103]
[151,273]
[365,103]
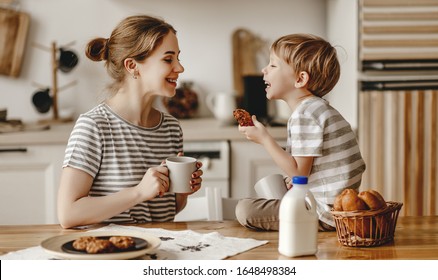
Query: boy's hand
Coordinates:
[288,182]
[257,133]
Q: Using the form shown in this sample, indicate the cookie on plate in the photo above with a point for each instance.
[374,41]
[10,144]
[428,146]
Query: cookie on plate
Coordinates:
[122,242]
[81,243]
[100,246]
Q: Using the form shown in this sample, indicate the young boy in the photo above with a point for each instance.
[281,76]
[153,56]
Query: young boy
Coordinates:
[320,143]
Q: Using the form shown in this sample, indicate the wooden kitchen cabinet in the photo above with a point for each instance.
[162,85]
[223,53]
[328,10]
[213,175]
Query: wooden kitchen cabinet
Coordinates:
[249,163]
[29,178]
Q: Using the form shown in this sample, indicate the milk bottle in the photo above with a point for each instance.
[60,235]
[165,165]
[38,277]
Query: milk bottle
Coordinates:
[298,230]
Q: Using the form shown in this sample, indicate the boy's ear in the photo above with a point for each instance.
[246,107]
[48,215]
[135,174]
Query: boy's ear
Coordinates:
[302,79]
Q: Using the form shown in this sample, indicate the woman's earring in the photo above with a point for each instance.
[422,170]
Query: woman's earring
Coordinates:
[135,75]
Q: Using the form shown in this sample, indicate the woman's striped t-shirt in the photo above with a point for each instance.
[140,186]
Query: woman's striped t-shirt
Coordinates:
[117,154]
[316,129]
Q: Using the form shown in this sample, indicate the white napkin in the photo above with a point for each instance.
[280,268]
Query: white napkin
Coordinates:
[175,245]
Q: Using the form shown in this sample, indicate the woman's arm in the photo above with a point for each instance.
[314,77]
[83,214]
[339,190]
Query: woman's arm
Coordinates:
[76,208]
[181,202]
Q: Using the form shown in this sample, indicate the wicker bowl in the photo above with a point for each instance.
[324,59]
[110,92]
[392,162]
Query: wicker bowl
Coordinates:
[367,228]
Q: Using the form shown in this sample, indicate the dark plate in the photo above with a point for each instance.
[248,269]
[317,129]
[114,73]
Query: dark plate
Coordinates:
[139,244]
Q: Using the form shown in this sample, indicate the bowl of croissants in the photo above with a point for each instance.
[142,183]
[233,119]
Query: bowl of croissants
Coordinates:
[364,219]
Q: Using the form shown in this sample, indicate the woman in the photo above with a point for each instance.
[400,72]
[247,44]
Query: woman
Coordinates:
[113,169]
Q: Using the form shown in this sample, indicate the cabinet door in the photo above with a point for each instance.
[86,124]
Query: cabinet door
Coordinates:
[249,163]
[398,139]
[29,180]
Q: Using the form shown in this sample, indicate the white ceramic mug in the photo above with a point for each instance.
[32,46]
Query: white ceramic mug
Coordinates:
[271,187]
[180,173]
[222,105]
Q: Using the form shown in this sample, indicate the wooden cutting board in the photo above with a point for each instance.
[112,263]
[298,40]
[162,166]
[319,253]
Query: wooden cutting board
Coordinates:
[244,57]
[14,26]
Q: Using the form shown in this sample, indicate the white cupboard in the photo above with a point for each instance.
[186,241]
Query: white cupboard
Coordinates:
[249,163]
[29,182]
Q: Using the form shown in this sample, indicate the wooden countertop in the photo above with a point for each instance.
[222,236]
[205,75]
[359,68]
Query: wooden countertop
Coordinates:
[197,129]
[416,238]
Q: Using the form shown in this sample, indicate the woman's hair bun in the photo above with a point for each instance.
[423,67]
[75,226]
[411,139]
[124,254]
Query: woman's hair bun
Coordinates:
[97,49]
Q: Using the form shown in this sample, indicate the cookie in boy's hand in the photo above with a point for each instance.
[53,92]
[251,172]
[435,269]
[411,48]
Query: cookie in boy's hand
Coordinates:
[243,117]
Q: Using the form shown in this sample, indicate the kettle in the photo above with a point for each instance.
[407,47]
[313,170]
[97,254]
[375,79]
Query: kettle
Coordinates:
[222,105]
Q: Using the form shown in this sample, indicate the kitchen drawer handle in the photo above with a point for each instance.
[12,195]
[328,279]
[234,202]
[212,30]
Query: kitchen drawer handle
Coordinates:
[13,150]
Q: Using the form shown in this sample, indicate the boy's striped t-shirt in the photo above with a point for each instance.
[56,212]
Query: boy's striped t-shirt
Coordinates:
[117,154]
[316,129]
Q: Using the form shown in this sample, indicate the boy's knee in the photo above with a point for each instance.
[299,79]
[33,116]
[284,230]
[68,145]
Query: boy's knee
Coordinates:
[258,214]
[242,210]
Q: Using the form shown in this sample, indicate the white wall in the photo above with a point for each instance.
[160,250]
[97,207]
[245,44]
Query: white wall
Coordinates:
[342,26]
[204,30]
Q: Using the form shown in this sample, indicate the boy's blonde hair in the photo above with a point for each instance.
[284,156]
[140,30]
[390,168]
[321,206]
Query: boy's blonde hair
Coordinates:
[312,54]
